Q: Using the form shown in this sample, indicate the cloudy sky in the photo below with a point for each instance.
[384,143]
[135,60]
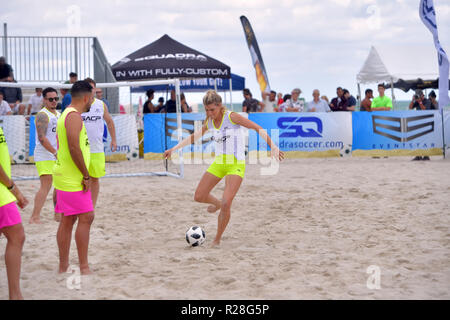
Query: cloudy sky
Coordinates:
[304,43]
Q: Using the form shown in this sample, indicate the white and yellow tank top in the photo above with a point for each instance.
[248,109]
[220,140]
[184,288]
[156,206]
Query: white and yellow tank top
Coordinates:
[93,120]
[228,137]
[40,153]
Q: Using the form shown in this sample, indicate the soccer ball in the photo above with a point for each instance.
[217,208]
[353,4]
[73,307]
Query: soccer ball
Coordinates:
[195,236]
[346,151]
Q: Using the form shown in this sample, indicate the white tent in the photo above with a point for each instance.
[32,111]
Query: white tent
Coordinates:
[391,63]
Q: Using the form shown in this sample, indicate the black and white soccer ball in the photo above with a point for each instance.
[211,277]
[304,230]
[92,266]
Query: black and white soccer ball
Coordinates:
[195,236]
[346,150]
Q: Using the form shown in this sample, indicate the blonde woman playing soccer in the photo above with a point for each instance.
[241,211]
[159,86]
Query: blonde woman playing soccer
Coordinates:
[229,159]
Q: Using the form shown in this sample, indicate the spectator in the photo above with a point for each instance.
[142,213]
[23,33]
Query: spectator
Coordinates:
[280,98]
[35,102]
[148,105]
[419,102]
[270,101]
[14,97]
[67,99]
[336,101]
[381,102]
[294,104]
[434,103]
[171,104]
[350,104]
[160,106]
[184,106]
[317,104]
[250,104]
[99,96]
[326,99]
[73,77]
[6,71]
[366,103]
[5,109]
[282,107]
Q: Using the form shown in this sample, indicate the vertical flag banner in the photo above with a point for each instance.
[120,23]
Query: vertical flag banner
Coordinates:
[428,15]
[261,74]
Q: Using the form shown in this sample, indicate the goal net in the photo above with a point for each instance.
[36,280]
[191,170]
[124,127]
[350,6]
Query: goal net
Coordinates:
[137,137]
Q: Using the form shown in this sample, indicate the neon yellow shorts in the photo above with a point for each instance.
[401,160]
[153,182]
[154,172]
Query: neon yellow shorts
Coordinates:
[226,165]
[97,165]
[45,167]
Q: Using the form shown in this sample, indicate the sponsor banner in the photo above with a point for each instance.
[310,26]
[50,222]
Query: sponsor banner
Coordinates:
[127,139]
[404,133]
[304,134]
[447,134]
[14,130]
[160,134]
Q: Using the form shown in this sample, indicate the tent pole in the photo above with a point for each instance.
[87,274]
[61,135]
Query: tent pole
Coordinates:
[359,95]
[179,124]
[131,103]
[394,103]
[231,93]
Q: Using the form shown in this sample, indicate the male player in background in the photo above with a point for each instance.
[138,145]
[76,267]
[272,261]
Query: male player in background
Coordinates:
[93,120]
[45,150]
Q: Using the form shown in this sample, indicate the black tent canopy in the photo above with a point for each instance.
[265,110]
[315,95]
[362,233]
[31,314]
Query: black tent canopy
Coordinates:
[407,85]
[167,58]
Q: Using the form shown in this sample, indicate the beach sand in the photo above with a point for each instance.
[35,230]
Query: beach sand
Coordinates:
[309,232]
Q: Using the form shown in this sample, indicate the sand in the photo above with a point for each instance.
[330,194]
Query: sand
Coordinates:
[309,232]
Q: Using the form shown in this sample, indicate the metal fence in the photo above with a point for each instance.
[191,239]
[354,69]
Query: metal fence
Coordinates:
[53,58]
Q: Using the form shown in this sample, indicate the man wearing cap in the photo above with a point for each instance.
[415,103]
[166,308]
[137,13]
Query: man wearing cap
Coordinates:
[419,102]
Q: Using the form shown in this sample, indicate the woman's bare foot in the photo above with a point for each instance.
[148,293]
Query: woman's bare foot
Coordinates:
[63,268]
[215,243]
[85,271]
[212,208]
[36,220]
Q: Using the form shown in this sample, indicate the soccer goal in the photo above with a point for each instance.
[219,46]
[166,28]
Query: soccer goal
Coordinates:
[127,161]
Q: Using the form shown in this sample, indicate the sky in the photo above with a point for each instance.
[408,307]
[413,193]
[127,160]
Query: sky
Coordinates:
[306,44]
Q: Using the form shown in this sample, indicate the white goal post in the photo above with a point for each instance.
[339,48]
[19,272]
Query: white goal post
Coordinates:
[56,85]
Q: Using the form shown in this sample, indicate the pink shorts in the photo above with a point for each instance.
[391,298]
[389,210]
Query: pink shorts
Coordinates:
[72,203]
[9,215]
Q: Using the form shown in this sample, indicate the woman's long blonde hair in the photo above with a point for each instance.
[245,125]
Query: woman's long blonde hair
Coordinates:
[211,97]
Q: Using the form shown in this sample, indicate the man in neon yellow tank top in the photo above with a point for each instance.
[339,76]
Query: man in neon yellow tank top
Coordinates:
[71,178]
[10,221]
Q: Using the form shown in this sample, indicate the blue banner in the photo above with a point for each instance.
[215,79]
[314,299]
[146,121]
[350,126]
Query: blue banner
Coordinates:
[402,133]
[32,136]
[160,133]
[304,134]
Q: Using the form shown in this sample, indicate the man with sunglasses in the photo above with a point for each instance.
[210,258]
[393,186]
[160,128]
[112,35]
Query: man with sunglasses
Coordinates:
[45,150]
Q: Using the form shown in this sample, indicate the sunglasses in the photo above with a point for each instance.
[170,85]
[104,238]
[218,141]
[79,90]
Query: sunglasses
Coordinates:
[53,99]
